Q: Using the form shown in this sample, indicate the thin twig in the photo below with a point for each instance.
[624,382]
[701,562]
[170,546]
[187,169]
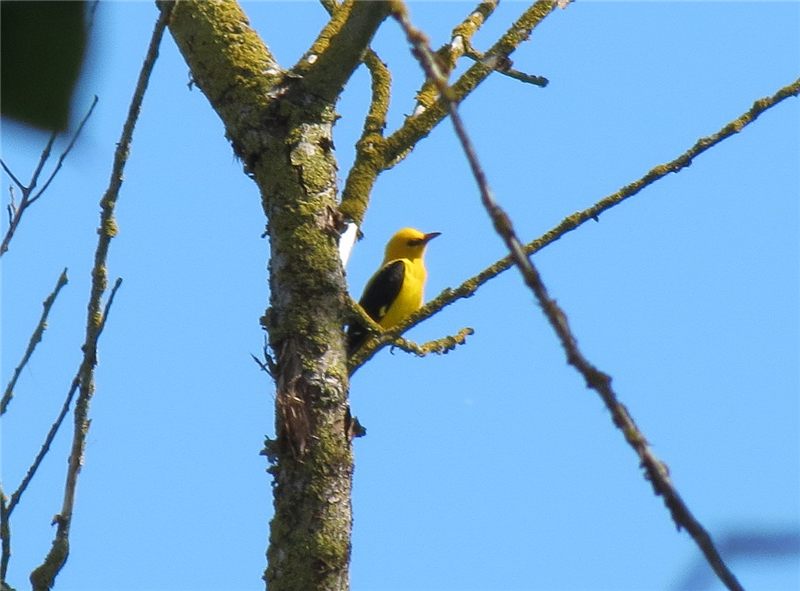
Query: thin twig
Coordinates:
[43,577]
[11,174]
[42,161]
[503,66]
[48,441]
[58,554]
[26,193]
[12,204]
[36,337]
[440,346]
[5,538]
[470,286]
[28,196]
[66,151]
[655,470]
[8,508]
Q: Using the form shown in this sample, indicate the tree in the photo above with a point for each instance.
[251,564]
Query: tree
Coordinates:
[280,126]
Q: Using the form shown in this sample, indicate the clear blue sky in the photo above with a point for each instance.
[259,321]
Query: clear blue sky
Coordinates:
[492,467]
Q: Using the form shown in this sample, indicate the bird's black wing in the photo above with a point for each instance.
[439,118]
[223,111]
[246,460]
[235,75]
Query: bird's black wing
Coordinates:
[379,294]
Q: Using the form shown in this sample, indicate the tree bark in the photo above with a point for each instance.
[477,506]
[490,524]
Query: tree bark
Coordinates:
[280,124]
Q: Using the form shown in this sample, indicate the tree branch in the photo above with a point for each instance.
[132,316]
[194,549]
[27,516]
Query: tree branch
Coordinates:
[447,55]
[504,66]
[656,471]
[440,346]
[66,151]
[281,125]
[60,549]
[470,286]
[231,65]
[420,125]
[5,540]
[11,174]
[36,337]
[28,196]
[43,577]
[379,338]
[355,195]
[369,158]
[339,48]
[379,153]
[45,448]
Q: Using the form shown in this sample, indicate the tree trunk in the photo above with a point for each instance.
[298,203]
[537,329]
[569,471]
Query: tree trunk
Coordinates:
[280,124]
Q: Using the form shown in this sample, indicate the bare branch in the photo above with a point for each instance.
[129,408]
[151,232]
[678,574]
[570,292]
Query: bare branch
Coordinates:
[43,577]
[11,208]
[26,192]
[36,337]
[48,441]
[46,573]
[441,346]
[572,222]
[355,195]
[5,538]
[11,174]
[42,161]
[504,67]
[65,152]
[28,196]
[656,471]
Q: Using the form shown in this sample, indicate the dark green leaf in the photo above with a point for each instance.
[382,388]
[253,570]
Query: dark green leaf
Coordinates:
[43,44]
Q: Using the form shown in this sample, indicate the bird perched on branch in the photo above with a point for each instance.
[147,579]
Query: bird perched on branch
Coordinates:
[395,291]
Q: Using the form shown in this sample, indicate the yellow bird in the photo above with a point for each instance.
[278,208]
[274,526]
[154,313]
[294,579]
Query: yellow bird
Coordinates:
[395,291]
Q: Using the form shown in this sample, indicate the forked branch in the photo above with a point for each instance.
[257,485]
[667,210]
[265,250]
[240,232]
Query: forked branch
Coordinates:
[29,193]
[379,153]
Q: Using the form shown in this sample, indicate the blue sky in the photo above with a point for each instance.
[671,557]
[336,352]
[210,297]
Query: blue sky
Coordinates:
[492,467]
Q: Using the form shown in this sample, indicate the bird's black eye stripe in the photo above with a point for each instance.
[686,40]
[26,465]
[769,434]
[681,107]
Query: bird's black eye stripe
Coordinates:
[416,241]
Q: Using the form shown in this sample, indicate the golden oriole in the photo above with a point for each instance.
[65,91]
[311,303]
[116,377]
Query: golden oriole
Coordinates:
[395,291]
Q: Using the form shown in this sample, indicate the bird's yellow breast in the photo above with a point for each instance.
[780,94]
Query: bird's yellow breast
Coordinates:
[411,295]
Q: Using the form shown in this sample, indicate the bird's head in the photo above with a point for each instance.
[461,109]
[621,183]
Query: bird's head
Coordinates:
[408,243]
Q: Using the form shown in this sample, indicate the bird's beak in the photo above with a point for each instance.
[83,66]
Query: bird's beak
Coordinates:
[429,237]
